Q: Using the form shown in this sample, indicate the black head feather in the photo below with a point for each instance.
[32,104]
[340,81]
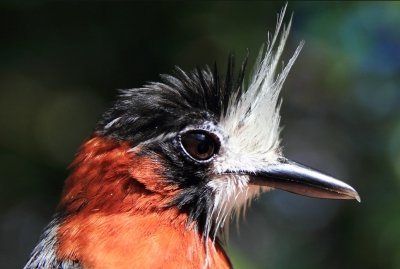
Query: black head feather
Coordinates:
[168,106]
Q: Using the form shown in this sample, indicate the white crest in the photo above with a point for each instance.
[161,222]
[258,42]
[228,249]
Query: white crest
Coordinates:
[252,124]
[251,128]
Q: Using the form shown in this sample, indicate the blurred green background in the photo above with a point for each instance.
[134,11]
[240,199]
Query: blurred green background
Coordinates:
[61,63]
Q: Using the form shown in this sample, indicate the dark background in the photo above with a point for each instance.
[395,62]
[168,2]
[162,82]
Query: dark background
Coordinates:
[61,63]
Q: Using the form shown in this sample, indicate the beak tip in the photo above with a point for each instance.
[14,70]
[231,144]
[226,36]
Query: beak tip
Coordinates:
[292,177]
[353,194]
[357,197]
[350,193]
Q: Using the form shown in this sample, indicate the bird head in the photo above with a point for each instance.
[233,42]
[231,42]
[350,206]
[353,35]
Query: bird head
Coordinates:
[189,151]
[196,142]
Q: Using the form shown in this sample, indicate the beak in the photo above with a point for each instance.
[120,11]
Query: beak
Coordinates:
[292,177]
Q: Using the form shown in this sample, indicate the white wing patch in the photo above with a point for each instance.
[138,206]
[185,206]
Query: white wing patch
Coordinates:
[44,255]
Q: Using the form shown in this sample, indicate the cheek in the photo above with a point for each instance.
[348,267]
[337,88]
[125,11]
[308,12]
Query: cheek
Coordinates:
[229,184]
[152,174]
[107,176]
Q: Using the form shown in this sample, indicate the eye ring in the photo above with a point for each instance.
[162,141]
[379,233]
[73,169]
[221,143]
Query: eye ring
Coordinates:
[199,145]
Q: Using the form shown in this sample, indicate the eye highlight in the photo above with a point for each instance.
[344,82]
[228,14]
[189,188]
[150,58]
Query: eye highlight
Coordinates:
[200,145]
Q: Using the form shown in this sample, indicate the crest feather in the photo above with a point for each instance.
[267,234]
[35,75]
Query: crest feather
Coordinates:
[255,114]
[251,126]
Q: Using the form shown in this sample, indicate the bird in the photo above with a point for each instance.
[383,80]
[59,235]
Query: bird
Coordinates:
[171,162]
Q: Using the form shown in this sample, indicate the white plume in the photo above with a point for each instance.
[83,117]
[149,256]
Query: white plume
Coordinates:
[251,125]
[251,130]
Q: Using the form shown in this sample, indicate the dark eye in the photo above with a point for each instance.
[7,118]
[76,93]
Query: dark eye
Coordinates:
[199,144]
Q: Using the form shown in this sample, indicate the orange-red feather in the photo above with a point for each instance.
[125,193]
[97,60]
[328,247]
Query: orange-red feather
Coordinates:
[116,215]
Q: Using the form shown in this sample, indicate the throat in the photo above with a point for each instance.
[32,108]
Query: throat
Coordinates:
[119,211]
[126,240]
